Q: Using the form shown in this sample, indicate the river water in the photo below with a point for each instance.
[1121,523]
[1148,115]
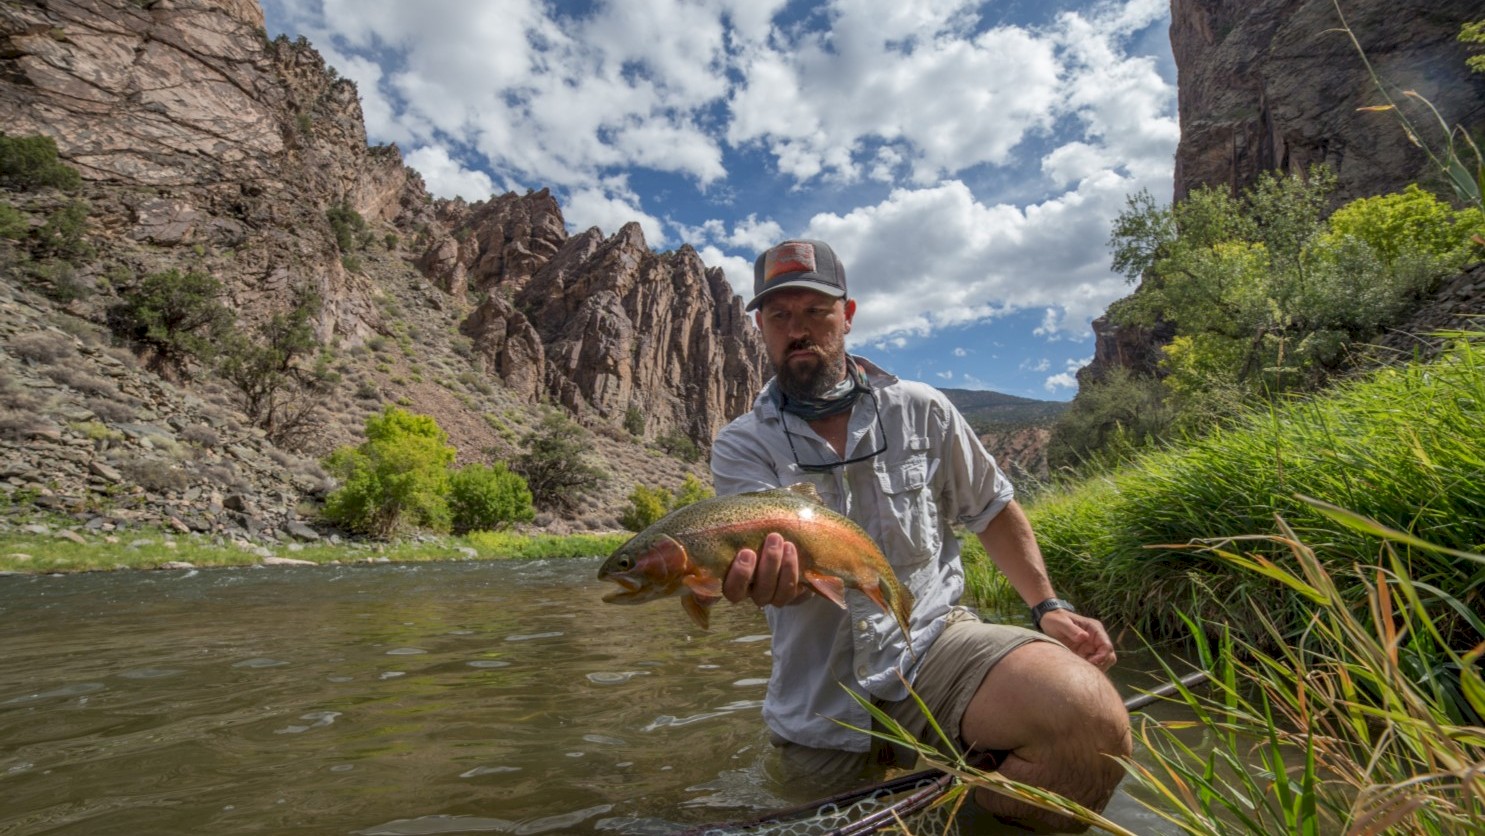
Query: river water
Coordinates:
[462,697]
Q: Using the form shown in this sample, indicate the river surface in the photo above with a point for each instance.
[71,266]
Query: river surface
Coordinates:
[462,697]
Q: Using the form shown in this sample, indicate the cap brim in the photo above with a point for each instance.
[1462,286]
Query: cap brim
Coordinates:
[817,285]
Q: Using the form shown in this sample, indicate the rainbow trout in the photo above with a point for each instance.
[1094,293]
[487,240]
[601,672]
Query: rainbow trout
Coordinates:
[688,551]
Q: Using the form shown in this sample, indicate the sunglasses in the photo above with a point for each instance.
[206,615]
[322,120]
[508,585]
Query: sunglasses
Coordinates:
[826,467]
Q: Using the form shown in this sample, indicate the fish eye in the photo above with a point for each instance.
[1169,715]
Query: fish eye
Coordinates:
[625,563]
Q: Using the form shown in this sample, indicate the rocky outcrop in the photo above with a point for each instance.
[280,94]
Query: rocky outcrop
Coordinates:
[605,325]
[195,133]
[1271,85]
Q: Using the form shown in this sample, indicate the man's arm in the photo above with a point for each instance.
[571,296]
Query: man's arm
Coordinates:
[1009,541]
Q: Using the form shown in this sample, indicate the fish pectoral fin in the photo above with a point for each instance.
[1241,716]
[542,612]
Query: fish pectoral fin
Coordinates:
[828,586]
[700,611]
[707,591]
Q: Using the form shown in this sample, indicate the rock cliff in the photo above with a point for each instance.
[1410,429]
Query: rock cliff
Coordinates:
[1272,85]
[205,146]
[599,325]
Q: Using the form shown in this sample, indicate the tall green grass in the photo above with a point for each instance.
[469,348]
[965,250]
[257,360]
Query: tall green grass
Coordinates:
[1333,732]
[1404,446]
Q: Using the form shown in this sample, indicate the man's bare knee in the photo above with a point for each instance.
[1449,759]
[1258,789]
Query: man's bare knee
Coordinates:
[1063,723]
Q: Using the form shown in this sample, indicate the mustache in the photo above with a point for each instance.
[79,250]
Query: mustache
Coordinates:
[802,345]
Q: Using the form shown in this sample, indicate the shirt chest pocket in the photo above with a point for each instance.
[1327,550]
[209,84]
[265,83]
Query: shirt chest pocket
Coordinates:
[910,521]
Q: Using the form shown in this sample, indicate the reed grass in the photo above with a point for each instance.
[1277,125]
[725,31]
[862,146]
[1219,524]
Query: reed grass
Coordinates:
[1333,732]
[1404,446]
[1326,729]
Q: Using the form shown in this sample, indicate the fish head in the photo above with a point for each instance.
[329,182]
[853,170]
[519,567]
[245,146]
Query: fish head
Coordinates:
[647,567]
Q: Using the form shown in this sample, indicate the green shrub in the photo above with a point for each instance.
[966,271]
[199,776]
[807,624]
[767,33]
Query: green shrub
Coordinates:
[646,505]
[62,235]
[556,466]
[680,445]
[13,223]
[176,313]
[398,478]
[484,498]
[691,491]
[1410,220]
[30,162]
[634,421]
[348,226]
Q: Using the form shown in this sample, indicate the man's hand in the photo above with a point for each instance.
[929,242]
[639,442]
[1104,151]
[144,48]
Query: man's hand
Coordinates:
[768,576]
[1083,635]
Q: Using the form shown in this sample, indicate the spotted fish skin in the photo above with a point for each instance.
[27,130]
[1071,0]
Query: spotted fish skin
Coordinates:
[688,551]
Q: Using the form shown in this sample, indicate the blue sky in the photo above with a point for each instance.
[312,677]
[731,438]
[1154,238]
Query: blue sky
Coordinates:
[964,159]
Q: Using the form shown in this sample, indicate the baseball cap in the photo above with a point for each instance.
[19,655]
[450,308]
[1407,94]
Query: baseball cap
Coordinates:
[798,263]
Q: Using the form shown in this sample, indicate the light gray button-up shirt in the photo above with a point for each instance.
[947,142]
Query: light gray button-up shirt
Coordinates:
[934,474]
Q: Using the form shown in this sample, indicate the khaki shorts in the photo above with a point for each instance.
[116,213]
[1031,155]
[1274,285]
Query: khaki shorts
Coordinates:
[951,673]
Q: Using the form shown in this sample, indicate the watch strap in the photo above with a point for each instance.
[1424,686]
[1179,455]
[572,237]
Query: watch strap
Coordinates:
[1047,606]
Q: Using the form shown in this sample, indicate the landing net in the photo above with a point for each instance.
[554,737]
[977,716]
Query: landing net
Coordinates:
[908,801]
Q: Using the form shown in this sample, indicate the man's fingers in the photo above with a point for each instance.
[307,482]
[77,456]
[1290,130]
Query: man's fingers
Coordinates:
[766,575]
[739,578]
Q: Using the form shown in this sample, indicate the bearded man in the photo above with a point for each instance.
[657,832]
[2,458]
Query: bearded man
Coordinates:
[899,459]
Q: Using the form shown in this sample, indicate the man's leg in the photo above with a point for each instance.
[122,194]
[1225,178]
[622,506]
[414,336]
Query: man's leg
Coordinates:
[1063,724]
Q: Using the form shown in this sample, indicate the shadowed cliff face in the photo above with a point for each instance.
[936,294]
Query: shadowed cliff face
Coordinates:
[1271,85]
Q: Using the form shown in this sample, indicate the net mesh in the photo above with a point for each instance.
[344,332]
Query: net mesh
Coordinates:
[935,820]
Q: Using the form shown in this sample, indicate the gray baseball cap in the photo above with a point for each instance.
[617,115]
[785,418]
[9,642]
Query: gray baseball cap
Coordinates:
[798,263]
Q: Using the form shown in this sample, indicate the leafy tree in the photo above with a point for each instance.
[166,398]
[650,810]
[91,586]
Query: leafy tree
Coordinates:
[1410,221]
[178,314]
[678,444]
[274,371]
[555,464]
[1109,419]
[28,163]
[1271,293]
[488,498]
[1473,33]
[397,478]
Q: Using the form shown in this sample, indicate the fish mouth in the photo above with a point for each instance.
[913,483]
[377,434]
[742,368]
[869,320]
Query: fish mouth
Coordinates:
[630,588]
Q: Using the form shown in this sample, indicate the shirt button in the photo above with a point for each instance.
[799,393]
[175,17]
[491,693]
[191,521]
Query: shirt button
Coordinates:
[860,671]
[862,625]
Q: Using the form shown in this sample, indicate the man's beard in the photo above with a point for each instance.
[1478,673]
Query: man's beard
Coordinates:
[816,381]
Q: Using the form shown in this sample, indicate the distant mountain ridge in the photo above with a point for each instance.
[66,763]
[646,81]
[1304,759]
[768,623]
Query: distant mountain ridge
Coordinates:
[985,406]
[1015,430]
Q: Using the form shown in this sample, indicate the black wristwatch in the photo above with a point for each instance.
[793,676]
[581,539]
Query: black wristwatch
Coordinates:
[1047,606]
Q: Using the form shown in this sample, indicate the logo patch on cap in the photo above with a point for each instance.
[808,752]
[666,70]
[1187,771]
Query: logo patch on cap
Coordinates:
[796,257]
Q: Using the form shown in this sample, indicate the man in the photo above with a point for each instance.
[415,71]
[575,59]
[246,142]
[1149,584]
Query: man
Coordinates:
[896,457]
